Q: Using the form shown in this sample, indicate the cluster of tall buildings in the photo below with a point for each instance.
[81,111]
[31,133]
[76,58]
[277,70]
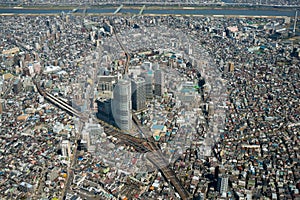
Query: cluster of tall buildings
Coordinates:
[130,93]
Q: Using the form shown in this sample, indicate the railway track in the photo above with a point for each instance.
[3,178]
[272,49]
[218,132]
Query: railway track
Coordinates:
[153,153]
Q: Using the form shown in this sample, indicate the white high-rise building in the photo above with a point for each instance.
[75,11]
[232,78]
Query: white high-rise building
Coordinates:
[121,104]
[66,148]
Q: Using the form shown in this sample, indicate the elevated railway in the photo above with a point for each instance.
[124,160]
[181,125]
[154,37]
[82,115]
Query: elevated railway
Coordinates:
[153,152]
[147,146]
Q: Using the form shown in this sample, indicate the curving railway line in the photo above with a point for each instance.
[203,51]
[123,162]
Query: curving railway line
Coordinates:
[153,153]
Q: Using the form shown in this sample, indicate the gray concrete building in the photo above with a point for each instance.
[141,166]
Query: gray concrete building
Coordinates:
[158,82]
[149,84]
[138,93]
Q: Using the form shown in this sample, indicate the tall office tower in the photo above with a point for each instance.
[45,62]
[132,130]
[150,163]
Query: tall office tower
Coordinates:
[122,104]
[66,148]
[67,18]
[174,42]
[148,84]
[138,93]
[222,185]
[159,82]
[108,28]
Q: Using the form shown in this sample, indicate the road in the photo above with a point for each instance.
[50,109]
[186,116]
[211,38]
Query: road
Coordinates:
[72,163]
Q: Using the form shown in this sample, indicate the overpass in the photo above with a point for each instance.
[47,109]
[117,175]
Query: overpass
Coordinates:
[142,10]
[118,9]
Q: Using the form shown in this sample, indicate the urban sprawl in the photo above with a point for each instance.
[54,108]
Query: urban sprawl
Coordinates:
[149,107]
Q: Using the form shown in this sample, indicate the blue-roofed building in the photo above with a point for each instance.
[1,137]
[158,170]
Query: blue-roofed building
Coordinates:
[158,131]
[158,127]
[25,187]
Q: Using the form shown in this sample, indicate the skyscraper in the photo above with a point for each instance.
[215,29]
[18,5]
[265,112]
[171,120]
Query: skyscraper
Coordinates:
[138,93]
[159,82]
[149,81]
[121,104]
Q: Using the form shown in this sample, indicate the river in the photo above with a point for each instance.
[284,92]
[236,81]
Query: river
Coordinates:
[166,11]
